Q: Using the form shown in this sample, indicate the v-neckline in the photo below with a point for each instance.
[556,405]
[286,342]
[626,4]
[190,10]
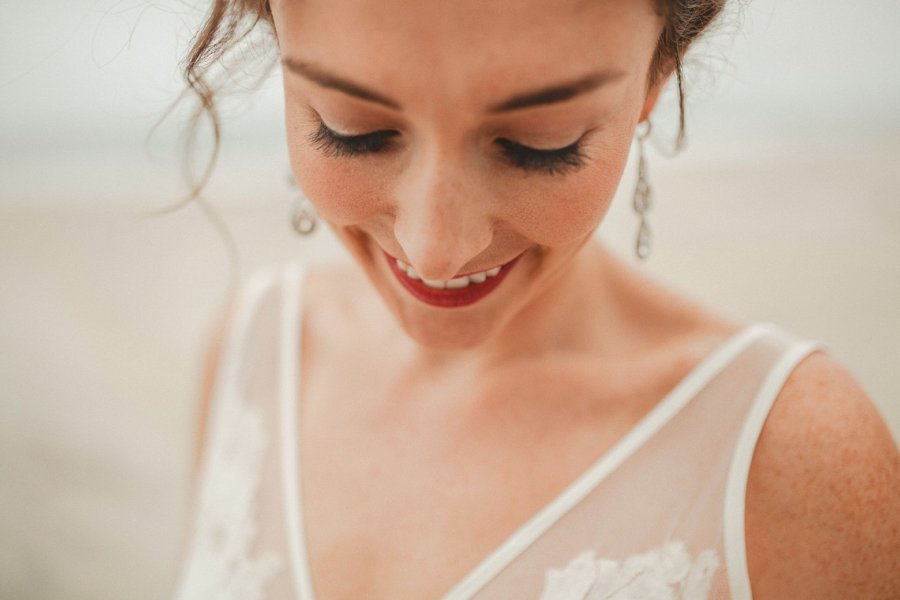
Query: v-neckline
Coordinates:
[527,533]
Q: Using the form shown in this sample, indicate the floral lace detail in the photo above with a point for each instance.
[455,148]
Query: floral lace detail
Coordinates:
[219,563]
[666,573]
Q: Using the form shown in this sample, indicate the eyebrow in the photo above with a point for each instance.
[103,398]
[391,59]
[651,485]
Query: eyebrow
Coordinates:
[559,92]
[552,94]
[328,80]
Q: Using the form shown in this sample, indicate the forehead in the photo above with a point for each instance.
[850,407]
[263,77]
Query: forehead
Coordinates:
[474,48]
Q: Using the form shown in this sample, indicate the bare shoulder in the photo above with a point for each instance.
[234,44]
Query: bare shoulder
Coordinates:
[823,493]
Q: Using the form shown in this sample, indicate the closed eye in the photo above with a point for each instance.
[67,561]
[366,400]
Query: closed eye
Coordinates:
[555,161]
[336,144]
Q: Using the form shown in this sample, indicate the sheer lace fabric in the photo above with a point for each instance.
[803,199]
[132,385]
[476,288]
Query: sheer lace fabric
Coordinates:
[661,574]
[658,516]
[238,533]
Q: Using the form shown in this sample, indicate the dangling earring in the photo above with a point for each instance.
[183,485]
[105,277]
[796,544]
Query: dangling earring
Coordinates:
[642,195]
[303,213]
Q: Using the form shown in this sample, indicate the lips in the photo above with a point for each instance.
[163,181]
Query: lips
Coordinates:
[475,290]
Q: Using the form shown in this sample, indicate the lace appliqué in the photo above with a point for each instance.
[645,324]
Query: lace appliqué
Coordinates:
[666,573]
[219,564]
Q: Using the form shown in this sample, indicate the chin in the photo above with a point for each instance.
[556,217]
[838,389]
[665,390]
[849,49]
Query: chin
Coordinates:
[447,331]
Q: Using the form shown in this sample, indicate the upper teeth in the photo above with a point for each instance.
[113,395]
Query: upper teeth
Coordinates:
[449,284]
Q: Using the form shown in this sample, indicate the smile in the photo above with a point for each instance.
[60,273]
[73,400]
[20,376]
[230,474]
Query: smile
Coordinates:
[448,293]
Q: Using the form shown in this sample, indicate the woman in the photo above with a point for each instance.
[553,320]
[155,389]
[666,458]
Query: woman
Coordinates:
[488,404]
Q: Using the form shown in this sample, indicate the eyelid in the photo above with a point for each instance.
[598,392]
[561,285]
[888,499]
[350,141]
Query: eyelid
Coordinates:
[337,144]
[506,143]
[551,161]
[556,161]
[357,136]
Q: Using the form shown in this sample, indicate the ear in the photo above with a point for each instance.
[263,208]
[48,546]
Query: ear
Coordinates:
[652,96]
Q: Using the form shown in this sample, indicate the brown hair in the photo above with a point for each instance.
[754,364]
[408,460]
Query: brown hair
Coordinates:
[229,22]
[686,20]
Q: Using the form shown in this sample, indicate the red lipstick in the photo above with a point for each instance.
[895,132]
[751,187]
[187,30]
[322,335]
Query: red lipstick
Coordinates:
[449,298]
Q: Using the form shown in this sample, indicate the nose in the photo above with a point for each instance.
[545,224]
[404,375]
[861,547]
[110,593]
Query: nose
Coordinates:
[441,221]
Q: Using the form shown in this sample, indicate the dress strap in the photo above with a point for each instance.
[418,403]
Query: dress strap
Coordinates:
[246,307]
[289,354]
[218,559]
[794,352]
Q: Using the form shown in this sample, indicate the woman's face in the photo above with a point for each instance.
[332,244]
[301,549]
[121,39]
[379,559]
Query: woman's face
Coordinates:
[463,136]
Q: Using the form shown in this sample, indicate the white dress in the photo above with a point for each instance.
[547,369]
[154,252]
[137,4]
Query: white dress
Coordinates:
[658,516]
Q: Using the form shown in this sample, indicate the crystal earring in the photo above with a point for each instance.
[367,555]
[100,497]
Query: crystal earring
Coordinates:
[642,194]
[303,213]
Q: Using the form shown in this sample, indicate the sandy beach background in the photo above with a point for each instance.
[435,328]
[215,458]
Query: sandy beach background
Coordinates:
[783,208]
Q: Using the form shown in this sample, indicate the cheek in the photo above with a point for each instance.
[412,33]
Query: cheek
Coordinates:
[553,212]
[341,195]
[562,210]
[343,191]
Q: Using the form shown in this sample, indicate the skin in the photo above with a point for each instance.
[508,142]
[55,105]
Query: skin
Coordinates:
[463,392]
[445,201]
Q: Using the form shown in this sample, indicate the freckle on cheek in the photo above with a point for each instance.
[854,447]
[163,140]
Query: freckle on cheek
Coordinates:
[339,198]
[572,213]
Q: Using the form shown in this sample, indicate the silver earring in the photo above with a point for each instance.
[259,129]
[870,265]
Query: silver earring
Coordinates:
[303,213]
[643,196]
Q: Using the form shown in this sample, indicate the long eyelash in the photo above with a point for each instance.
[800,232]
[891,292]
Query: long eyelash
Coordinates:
[336,144]
[557,161]
[554,162]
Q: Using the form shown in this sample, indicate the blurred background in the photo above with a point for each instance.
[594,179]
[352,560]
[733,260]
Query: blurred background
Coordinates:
[783,207]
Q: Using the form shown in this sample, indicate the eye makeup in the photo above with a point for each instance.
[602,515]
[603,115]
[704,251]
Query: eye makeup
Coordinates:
[553,162]
[339,145]
[550,161]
